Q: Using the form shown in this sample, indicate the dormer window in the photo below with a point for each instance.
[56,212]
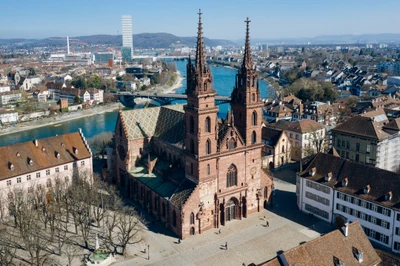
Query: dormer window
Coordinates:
[328,177]
[388,196]
[30,162]
[75,150]
[18,154]
[57,155]
[313,171]
[358,254]
[367,189]
[11,166]
[43,149]
[345,182]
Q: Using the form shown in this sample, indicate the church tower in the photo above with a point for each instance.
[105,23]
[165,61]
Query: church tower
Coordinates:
[246,104]
[201,114]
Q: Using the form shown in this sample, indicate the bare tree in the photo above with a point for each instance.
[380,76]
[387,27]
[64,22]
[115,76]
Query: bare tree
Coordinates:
[129,228]
[7,248]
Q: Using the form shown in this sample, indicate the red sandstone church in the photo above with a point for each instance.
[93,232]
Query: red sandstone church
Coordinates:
[189,169]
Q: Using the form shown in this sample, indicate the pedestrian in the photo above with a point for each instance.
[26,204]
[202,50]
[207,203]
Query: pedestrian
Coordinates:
[179,240]
[219,231]
[267,223]
[226,245]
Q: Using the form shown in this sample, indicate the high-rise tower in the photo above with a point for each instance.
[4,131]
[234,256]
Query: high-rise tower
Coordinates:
[127,39]
[201,117]
[246,104]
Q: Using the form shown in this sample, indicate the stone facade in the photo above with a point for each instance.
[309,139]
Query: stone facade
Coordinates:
[188,168]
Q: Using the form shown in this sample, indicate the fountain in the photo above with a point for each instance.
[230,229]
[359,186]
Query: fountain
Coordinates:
[99,256]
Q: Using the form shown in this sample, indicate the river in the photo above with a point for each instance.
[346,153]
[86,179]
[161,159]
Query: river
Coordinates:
[224,81]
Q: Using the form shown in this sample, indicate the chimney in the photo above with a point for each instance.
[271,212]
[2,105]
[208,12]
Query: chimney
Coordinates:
[346,230]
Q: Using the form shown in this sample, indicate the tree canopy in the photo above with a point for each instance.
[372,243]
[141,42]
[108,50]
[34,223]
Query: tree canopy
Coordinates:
[313,90]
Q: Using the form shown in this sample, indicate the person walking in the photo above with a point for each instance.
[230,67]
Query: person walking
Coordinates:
[226,245]
[219,231]
[267,223]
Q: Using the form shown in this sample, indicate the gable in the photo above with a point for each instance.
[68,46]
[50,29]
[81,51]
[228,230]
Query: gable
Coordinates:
[229,138]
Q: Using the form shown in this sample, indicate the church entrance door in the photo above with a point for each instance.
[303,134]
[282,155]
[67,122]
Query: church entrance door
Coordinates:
[230,210]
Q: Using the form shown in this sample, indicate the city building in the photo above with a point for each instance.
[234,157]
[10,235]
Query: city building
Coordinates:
[277,147]
[103,57]
[369,139]
[10,97]
[8,116]
[90,96]
[189,169]
[349,246]
[40,163]
[338,190]
[307,136]
[127,38]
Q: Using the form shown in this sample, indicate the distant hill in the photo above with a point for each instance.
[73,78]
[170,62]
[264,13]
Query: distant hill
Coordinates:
[333,39]
[142,40]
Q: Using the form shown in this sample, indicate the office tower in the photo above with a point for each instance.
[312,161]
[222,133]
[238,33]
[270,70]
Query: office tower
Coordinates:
[127,42]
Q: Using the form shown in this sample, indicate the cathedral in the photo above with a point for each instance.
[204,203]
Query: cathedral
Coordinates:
[186,167]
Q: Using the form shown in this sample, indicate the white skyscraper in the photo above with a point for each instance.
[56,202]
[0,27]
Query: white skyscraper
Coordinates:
[127,42]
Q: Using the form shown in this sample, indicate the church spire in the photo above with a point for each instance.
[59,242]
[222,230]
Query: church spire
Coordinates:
[247,60]
[200,56]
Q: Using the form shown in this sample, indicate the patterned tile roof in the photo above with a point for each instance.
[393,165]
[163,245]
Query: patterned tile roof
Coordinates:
[165,122]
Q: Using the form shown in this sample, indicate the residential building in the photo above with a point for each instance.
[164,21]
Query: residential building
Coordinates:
[127,38]
[41,94]
[338,190]
[41,163]
[8,116]
[368,140]
[4,88]
[307,136]
[190,170]
[277,147]
[349,246]
[10,97]
[71,93]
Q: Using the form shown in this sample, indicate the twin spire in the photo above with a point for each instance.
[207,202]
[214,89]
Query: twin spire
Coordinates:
[200,55]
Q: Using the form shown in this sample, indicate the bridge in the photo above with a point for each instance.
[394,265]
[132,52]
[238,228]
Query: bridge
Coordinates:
[128,99]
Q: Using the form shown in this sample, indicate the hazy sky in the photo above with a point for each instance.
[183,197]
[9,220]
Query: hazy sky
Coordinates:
[221,18]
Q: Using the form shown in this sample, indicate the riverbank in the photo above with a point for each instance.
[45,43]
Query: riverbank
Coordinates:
[55,120]
[100,109]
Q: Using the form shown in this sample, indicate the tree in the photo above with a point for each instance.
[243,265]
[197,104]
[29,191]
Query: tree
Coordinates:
[32,72]
[100,142]
[7,247]
[77,99]
[94,82]
[80,83]
[129,228]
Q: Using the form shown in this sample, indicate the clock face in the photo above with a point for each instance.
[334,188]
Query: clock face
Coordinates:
[121,152]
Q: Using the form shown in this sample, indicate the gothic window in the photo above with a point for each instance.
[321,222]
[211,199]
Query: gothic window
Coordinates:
[205,86]
[253,137]
[164,213]
[174,218]
[254,81]
[208,124]
[253,97]
[192,231]
[192,145]
[283,148]
[231,176]
[192,218]
[191,125]
[254,118]
[208,146]
[208,169]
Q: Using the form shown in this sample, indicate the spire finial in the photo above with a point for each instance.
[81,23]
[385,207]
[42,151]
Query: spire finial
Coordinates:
[200,58]
[247,61]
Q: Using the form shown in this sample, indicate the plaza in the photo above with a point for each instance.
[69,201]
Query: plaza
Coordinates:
[248,241]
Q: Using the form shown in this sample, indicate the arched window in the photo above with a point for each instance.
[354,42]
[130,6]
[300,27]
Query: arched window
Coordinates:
[208,146]
[192,146]
[164,213]
[253,137]
[205,86]
[208,124]
[231,176]
[208,169]
[283,148]
[254,118]
[191,124]
[192,218]
[253,97]
[174,218]
[192,231]
[191,168]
